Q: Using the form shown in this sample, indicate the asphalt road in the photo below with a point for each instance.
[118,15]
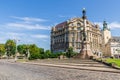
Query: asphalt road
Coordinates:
[19,71]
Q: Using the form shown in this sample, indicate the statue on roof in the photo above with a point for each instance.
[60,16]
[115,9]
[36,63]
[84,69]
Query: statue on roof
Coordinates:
[84,13]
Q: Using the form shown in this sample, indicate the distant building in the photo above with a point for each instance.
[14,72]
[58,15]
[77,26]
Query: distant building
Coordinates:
[106,36]
[115,46]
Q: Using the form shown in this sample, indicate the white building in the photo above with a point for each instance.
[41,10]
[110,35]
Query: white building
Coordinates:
[115,47]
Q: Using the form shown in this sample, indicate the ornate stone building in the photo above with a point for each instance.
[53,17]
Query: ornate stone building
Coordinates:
[70,34]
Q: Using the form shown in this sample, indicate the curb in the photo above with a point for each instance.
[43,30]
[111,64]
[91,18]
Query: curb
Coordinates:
[108,64]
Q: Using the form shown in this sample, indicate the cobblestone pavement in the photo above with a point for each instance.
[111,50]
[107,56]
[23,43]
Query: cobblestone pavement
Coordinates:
[19,71]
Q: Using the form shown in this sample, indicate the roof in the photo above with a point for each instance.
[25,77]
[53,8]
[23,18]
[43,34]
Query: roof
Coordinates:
[115,39]
[61,25]
[64,24]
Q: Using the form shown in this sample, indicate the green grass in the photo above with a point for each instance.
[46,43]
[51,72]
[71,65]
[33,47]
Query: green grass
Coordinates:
[115,61]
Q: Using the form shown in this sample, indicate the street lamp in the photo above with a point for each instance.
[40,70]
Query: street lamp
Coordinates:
[15,40]
[16,51]
[27,52]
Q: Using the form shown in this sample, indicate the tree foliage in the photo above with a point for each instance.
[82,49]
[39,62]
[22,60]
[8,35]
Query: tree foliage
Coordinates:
[69,53]
[10,47]
[2,49]
[22,49]
[34,51]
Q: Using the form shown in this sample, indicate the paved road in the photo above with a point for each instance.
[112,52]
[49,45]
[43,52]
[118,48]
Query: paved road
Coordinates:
[19,71]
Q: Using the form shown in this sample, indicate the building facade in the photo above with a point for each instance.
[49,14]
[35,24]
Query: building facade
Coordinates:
[106,36]
[70,34]
[115,46]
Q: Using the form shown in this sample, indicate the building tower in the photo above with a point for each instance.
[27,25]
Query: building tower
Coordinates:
[106,38]
[106,33]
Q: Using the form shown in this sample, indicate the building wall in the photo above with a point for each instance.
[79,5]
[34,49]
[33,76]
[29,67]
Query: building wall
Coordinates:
[115,46]
[106,36]
[70,34]
[115,49]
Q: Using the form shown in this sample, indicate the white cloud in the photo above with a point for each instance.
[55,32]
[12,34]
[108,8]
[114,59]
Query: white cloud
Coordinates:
[114,25]
[28,26]
[29,19]
[27,23]
[10,35]
[40,36]
[111,25]
[27,30]
[15,34]
[24,38]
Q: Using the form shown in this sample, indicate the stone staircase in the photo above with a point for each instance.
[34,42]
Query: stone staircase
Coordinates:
[81,64]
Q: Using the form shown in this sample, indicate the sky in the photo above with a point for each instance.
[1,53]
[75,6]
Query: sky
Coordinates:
[30,21]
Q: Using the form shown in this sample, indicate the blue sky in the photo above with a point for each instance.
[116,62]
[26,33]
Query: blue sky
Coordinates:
[30,21]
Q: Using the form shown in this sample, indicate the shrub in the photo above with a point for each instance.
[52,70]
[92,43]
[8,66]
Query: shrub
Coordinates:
[34,56]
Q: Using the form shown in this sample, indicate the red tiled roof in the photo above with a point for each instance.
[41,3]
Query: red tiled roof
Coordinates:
[61,25]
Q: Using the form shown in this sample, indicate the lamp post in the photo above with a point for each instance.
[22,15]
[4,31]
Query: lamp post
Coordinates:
[16,51]
[27,52]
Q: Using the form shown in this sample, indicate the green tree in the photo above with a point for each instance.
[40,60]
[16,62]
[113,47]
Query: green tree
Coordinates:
[20,49]
[70,52]
[47,53]
[34,52]
[23,49]
[2,49]
[33,49]
[41,50]
[10,47]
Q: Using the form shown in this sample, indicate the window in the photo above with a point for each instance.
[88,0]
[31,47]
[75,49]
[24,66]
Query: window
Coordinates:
[78,45]
[73,39]
[78,28]
[73,44]
[71,24]
[73,34]
[78,24]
